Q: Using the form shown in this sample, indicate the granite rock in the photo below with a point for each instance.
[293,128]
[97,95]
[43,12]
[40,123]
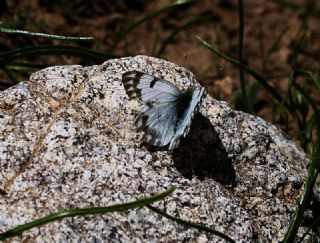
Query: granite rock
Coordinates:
[67,141]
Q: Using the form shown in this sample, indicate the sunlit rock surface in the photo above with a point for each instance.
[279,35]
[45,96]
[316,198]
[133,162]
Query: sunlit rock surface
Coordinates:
[67,141]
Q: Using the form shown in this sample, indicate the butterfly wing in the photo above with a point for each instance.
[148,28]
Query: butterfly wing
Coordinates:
[159,118]
[158,122]
[184,123]
[148,88]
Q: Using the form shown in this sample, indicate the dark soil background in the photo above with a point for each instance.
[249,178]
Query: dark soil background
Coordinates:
[272,33]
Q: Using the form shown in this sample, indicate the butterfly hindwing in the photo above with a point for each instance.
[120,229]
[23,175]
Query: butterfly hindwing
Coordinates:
[167,112]
[184,123]
[158,123]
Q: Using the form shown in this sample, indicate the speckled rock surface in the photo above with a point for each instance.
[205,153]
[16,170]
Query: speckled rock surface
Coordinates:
[67,141]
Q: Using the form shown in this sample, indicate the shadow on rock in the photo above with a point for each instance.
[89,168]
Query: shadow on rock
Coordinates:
[202,154]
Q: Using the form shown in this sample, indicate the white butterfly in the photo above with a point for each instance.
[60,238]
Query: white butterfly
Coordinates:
[167,112]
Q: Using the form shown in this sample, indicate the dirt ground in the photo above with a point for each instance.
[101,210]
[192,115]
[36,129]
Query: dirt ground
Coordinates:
[270,35]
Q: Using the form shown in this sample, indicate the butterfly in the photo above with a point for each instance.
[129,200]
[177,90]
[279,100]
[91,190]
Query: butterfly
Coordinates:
[167,112]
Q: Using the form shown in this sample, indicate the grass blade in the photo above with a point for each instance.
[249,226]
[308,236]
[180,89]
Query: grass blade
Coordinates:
[252,91]
[151,15]
[274,47]
[312,76]
[179,29]
[191,224]
[24,52]
[250,71]
[302,204]
[240,49]
[307,97]
[85,211]
[10,74]
[308,126]
[48,36]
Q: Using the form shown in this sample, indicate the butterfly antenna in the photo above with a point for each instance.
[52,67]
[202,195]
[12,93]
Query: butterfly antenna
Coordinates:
[189,68]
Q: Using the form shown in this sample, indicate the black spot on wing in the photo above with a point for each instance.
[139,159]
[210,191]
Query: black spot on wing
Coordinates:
[130,82]
[141,122]
[153,82]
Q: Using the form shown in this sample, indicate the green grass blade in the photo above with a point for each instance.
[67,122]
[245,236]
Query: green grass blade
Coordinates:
[274,46]
[313,77]
[190,23]
[311,123]
[250,71]
[10,74]
[240,50]
[151,15]
[308,126]
[307,97]
[191,224]
[302,204]
[286,100]
[48,36]
[10,56]
[301,35]
[86,211]
[252,91]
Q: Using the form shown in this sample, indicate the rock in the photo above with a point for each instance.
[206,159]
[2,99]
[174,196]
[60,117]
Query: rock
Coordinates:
[67,141]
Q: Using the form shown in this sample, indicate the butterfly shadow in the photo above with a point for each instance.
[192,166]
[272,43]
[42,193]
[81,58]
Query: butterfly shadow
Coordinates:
[202,154]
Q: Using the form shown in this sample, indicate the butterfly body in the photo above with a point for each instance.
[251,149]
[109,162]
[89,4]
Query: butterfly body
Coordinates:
[167,112]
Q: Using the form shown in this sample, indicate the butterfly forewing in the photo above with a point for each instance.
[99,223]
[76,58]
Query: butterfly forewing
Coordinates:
[148,88]
[167,112]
